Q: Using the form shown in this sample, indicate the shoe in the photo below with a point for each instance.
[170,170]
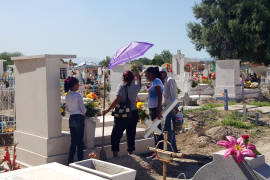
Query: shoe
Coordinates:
[115,154]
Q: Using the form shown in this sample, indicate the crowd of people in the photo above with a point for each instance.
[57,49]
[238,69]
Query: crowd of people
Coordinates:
[162,92]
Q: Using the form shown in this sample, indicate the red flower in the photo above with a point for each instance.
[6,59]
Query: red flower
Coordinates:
[245,136]
[92,155]
[204,77]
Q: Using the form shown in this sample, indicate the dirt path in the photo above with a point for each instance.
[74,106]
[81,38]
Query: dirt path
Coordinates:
[263,146]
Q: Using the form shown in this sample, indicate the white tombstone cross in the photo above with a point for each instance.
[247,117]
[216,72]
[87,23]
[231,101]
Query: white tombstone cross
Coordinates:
[153,126]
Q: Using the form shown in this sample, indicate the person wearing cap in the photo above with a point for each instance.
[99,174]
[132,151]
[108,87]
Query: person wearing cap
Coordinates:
[169,95]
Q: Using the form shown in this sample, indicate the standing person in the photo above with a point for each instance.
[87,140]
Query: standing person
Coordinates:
[169,95]
[77,110]
[155,98]
[126,95]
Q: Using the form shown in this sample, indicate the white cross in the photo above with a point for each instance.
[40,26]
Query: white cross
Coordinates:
[153,125]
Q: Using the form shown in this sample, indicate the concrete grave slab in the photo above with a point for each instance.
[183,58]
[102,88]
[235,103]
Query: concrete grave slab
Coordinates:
[52,171]
[105,169]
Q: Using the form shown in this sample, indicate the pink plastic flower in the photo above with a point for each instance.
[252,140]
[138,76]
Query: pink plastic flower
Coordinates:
[236,148]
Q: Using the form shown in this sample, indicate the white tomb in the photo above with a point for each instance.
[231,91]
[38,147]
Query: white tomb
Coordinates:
[228,77]
[52,171]
[38,118]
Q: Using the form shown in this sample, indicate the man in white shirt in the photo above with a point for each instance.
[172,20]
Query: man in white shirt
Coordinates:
[169,95]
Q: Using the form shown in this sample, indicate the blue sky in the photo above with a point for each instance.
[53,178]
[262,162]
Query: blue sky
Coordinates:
[95,28]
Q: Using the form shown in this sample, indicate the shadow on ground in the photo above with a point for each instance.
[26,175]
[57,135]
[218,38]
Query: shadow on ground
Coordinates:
[149,169]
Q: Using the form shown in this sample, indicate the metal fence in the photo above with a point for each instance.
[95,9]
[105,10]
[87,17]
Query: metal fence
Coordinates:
[8,82]
[7,110]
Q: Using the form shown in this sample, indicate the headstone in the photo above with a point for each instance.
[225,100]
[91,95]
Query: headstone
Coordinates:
[1,67]
[228,77]
[186,99]
[105,169]
[38,118]
[228,169]
[50,171]
[116,78]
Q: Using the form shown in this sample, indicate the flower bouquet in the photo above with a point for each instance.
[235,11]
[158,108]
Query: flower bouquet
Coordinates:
[187,68]
[195,79]
[142,112]
[136,68]
[63,109]
[91,108]
[213,76]
[92,96]
[204,79]
[239,148]
[11,164]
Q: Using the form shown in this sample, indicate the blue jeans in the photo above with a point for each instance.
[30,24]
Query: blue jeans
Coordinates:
[168,126]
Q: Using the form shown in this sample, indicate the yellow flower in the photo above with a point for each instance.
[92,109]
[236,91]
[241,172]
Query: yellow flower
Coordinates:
[62,110]
[95,104]
[139,105]
[65,94]
[92,95]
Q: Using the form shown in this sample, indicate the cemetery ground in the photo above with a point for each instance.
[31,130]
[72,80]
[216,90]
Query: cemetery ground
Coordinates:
[202,128]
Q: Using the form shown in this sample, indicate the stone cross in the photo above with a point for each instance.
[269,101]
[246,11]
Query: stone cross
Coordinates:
[152,126]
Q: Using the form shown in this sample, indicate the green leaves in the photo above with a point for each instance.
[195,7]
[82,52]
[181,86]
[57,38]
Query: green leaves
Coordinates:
[7,56]
[232,29]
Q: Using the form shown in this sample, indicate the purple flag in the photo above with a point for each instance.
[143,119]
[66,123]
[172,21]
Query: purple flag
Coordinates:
[129,52]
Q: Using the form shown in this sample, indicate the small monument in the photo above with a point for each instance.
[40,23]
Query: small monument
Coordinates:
[38,118]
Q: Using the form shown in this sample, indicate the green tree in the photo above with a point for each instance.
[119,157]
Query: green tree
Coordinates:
[232,29]
[166,56]
[7,56]
[143,61]
[158,60]
[105,62]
